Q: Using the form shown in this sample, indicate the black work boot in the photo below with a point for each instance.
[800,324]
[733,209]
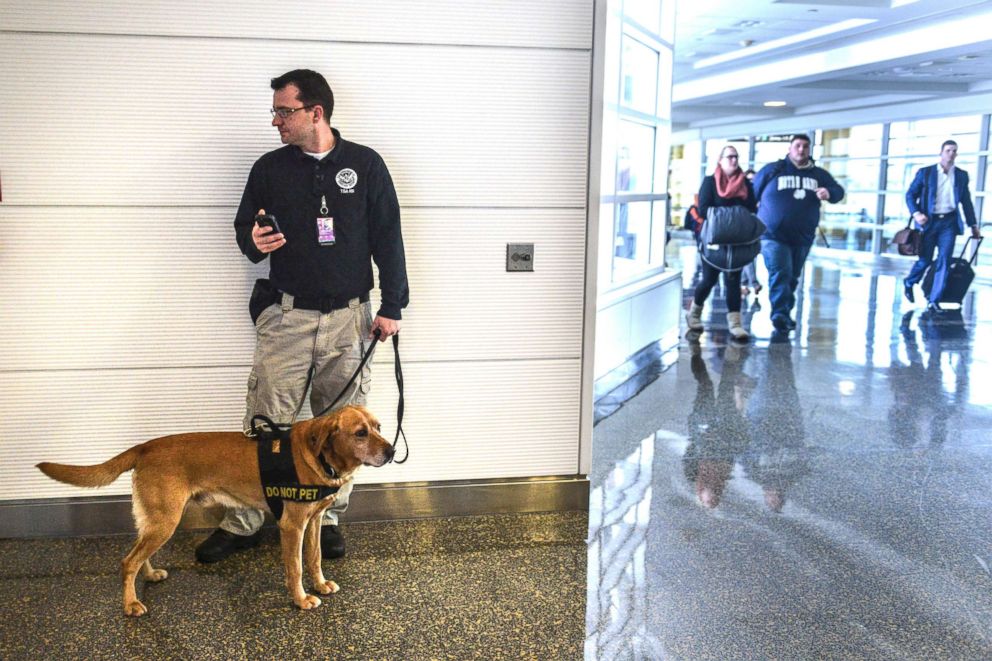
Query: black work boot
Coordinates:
[331,542]
[221,544]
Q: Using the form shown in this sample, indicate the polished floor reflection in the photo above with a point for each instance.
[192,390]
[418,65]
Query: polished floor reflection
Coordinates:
[820,495]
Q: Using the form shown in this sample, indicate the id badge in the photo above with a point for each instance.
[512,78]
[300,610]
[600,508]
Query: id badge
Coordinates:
[325,231]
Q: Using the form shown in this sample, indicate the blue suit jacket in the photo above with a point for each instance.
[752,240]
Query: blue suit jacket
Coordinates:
[962,197]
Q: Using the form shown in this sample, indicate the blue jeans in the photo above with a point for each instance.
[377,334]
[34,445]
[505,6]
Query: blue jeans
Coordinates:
[939,234]
[784,262]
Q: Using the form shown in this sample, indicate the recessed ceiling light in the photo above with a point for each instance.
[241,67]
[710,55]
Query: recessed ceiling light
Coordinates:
[965,58]
[774,104]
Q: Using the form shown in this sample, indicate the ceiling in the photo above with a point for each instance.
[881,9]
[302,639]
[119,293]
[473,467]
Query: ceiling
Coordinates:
[824,57]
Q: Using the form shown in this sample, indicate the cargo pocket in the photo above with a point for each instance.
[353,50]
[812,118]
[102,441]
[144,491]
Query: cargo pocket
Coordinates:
[365,324]
[251,401]
[365,379]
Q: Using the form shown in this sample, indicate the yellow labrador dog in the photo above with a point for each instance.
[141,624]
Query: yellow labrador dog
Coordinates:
[222,467]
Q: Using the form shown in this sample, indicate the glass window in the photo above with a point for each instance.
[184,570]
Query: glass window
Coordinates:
[646,13]
[849,224]
[769,148]
[662,151]
[639,87]
[635,157]
[854,176]
[664,107]
[902,170]
[632,238]
[923,137]
[636,140]
[855,142]
[683,179]
[659,233]
[896,211]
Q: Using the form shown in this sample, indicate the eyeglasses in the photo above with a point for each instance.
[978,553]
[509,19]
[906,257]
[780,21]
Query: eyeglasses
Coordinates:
[734,156]
[286,112]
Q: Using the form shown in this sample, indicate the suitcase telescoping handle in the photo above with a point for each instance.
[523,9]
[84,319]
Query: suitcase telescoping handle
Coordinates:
[974,255]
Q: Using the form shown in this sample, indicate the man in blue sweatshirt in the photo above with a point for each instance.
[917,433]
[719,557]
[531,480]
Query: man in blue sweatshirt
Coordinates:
[789,193]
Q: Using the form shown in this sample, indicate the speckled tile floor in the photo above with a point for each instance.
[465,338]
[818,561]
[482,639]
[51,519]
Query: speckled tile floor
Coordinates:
[494,587]
[825,495]
[821,496]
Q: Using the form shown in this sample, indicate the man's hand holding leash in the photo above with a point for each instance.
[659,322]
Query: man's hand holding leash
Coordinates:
[387,327]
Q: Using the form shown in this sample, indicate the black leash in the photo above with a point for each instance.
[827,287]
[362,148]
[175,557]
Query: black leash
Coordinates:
[398,370]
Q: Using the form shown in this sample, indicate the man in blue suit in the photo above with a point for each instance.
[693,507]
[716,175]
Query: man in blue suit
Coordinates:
[933,199]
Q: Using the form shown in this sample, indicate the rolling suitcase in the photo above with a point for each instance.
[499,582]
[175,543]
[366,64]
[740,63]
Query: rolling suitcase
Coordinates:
[959,276]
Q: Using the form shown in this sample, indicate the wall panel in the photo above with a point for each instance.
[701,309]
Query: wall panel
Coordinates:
[156,287]
[464,420]
[138,121]
[522,23]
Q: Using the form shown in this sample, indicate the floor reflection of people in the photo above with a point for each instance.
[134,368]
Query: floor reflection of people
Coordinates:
[777,455]
[717,428]
[918,394]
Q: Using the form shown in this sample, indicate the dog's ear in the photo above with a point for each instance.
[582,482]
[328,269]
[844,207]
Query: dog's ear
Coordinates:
[322,432]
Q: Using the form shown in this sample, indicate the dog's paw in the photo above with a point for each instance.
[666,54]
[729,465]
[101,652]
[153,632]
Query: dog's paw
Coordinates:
[135,609]
[156,575]
[327,587]
[308,602]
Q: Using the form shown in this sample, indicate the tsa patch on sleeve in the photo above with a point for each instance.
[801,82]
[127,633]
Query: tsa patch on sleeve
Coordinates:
[347,179]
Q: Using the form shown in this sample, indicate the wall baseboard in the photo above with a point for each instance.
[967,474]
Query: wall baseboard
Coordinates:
[72,517]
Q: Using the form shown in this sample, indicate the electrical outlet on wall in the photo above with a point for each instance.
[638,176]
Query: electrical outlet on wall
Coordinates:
[520,257]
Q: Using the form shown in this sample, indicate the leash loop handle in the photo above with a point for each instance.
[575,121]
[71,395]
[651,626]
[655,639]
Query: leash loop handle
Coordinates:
[398,370]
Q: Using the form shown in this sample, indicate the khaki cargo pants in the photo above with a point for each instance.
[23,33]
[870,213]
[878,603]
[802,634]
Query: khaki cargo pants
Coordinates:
[295,349]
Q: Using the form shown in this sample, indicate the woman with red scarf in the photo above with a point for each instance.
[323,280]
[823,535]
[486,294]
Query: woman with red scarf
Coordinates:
[726,187]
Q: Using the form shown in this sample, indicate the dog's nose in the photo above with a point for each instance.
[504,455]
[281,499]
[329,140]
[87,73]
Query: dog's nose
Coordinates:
[390,451]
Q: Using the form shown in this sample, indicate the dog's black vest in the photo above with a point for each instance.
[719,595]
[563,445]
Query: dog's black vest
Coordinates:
[277,472]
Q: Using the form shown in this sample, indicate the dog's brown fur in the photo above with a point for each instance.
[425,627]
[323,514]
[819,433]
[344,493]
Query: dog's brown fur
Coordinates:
[223,467]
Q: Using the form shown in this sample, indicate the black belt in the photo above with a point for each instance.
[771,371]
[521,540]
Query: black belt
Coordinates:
[328,304]
[941,216]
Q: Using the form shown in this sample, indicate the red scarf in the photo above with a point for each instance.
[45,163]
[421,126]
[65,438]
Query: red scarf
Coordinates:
[734,185]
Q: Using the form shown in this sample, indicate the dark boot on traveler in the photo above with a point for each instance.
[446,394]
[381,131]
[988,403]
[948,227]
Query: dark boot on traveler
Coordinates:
[907,291]
[221,544]
[331,542]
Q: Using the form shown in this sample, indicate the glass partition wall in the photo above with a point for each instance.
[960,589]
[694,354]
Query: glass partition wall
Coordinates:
[875,163]
[636,140]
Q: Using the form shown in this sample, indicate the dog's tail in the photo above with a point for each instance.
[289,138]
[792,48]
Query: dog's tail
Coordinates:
[92,476]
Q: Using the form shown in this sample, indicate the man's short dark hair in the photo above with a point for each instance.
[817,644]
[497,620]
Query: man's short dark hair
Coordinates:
[947,142]
[799,136]
[314,90]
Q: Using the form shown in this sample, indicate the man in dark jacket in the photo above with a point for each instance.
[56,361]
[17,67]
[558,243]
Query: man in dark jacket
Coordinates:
[789,193]
[933,198]
[335,212]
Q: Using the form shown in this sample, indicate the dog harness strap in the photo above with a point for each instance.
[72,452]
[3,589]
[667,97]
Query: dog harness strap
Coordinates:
[398,372]
[278,472]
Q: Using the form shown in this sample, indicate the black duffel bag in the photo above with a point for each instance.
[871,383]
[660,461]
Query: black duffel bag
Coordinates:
[730,226]
[730,238]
